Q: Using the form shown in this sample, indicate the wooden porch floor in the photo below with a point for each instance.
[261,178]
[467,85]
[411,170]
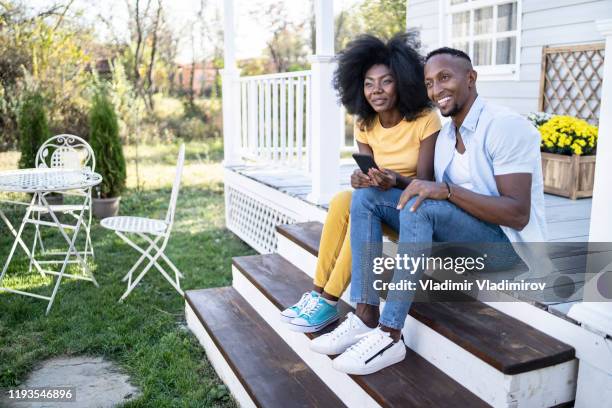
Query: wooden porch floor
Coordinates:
[568,220]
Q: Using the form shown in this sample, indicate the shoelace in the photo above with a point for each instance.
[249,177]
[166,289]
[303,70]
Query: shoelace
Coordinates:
[343,328]
[367,343]
[311,306]
[303,300]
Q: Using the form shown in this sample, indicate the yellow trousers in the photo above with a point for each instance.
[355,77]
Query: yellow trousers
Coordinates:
[333,272]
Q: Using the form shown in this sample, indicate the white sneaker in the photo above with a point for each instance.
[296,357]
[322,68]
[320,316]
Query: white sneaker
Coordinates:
[375,351]
[343,336]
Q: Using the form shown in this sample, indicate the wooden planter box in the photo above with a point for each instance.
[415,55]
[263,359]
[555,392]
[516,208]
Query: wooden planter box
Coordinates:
[568,176]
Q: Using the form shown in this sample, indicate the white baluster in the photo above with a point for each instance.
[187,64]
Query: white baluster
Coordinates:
[268,119]
[244,135]
[252,109]
[299,126]
[260,119]
[275,143]
[291,119]
[283,119]
[308,125]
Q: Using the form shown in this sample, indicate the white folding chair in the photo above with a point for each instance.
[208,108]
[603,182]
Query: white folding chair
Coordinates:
[152,231]
[65,152]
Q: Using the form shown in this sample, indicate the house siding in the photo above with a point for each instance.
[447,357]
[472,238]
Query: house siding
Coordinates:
[544,23]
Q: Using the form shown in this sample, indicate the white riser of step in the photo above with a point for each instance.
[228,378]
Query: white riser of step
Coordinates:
[341,384]
[218,362]
[303,260]
[555,385]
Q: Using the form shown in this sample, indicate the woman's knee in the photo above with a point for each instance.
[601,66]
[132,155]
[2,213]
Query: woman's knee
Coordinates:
[340,204]
[364,198]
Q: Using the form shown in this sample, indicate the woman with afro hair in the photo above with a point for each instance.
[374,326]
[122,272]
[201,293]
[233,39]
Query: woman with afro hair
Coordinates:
[382,85]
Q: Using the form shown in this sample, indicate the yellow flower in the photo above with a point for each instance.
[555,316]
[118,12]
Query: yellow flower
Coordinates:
[568,135]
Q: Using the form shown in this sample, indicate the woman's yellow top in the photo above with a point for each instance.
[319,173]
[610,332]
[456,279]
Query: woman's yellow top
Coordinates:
[397,148]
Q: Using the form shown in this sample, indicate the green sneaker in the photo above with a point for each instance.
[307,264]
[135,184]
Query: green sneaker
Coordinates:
[294,311]
[315,316]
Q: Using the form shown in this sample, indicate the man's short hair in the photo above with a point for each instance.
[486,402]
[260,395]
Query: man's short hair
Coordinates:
[449,51]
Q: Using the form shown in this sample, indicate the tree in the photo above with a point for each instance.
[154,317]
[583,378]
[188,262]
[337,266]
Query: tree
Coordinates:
[381,18]
[105,142]
[384,18]
[33,128]
[287,47]
[52,49]
[146,27]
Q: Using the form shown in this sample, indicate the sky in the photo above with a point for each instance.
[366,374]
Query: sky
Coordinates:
[251,35]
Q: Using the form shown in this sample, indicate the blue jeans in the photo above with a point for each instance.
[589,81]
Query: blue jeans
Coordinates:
[434,220]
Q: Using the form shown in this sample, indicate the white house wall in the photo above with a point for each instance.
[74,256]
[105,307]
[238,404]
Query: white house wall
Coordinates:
[544,23]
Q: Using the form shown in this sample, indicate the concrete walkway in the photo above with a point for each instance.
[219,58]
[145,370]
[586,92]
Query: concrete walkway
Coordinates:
[96,383]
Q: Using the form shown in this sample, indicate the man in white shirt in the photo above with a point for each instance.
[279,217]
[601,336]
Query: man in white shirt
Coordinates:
[488,188]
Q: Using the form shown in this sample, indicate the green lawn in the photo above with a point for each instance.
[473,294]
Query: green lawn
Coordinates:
[146,335]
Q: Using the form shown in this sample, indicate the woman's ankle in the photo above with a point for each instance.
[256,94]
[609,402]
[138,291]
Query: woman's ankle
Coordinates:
[327,296]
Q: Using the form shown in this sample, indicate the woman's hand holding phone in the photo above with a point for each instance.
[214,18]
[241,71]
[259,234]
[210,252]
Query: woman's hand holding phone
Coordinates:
[384,179]
[360,180]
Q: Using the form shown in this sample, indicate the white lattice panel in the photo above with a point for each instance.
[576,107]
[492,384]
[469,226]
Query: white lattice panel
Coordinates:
[253,220]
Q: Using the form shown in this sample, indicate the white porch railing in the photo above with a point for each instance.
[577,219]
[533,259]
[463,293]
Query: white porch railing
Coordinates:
[275,119]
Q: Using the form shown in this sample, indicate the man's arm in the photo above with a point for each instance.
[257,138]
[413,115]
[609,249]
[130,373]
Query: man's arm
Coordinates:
[513,146]
[510,209]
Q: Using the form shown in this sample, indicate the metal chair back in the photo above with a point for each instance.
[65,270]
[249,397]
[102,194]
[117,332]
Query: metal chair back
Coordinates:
[66,152]
[175,187]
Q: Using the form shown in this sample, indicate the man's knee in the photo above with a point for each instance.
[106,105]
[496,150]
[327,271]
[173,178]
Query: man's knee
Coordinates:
[428,209]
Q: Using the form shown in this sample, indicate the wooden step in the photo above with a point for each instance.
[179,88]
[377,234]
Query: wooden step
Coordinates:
[505,343]
[406,384]
[305,234]
[270,372]
[498,367]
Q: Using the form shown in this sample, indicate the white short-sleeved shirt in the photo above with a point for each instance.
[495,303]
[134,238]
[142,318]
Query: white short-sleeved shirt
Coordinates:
[498,141]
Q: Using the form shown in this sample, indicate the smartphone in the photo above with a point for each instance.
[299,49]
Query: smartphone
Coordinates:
[365,162]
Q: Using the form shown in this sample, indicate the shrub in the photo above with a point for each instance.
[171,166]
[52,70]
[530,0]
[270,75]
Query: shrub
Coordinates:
[105,142]
[33,128]
[568,135]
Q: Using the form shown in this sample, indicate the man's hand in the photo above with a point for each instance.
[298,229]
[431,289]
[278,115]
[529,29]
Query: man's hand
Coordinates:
[422,189]
[384,179]
[360,180]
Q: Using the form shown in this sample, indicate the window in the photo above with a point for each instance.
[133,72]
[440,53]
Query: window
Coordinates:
[489,31]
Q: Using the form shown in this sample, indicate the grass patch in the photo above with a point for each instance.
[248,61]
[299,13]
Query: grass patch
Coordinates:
[146,334]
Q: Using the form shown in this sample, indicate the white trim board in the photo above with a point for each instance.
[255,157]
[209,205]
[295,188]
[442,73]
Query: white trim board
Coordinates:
[295,207]
[216,359]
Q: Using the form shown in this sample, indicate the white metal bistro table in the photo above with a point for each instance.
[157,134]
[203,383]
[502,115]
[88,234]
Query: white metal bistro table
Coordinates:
[39,182]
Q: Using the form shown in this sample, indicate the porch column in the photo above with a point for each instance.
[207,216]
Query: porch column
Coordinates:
[325,148]
[230,89]
[595,313]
